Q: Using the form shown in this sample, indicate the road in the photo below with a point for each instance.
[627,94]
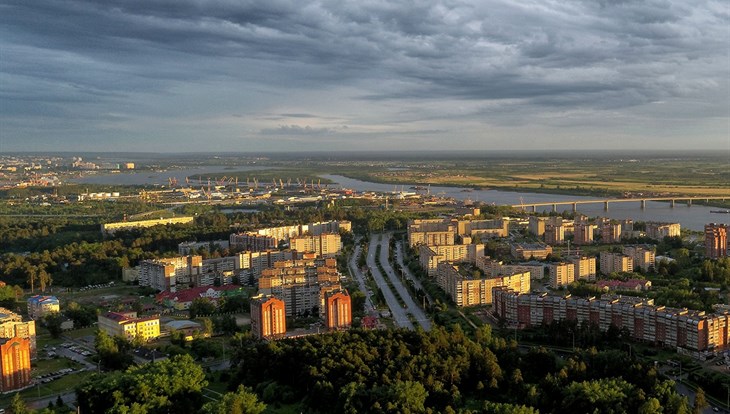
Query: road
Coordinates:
[399,314]
[357,274]
[411,305]
[409,276]
[69,398]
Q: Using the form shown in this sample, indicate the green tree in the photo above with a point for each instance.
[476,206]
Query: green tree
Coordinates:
[53,323]
[173,385]
[407,397]
[700,401]
[17,405]
[243,401]
[201,306]
[650,406]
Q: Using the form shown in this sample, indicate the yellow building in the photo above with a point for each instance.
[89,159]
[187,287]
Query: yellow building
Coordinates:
[110,228]
[465,290]
[585,267]
[561,274]
[127,324]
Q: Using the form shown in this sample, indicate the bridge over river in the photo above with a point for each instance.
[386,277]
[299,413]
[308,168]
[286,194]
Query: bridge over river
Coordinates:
[607,201]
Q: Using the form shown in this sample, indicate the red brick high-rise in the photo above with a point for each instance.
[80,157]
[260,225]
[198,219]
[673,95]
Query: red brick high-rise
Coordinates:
[268,317]
[338,310]
[14,363]
[715,241]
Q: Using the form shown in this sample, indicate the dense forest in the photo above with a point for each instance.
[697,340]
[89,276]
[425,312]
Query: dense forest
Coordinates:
[399,371]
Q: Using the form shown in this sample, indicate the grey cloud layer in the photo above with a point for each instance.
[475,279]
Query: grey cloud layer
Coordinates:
[86,59]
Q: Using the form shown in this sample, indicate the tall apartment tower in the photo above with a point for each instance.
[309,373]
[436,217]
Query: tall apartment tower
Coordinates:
[715,240]
[14,363]
[561,274]
[610,232]
[536,226]
[554,234]
[268,317]
[616,262]
[338,310]
[583,233]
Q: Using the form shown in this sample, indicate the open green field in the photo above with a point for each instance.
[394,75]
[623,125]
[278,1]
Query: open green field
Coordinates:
[598,176]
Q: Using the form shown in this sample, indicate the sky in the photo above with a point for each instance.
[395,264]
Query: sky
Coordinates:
[279,75]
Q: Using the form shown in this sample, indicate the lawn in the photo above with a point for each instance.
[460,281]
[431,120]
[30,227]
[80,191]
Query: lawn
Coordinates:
[58,387]
[80,333]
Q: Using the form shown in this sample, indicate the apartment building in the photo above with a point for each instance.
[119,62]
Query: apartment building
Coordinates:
[482,229]
[561,274]
[583,233]
[493,268]
[334,226]
[323,244]
[111,228]
[536,225]
[268,317]
[554,234]
[284,233]
[191,247]
[610,232]
[301,284]
[465,290]
[659,231]
[12,326]
[127,324]
[644,256]
[430,256]
[39,306]
[338,310]
[434,232]
[616,262]
[254,242]
[690,332]
[165,274]
[716,240]
[14,363]
[584,267]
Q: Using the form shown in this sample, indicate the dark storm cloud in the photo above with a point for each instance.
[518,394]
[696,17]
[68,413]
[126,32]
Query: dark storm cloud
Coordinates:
[532,55]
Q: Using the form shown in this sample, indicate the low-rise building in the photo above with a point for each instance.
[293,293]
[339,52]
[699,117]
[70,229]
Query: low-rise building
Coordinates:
[525,251]
[39,306]
[128,325]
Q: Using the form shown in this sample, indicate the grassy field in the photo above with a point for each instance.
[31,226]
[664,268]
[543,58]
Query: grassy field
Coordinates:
[690,176]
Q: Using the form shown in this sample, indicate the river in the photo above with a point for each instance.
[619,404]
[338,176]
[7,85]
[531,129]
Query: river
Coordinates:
[693,218]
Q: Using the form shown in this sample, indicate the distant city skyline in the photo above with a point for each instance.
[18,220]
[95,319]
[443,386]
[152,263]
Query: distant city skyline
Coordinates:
[219,76]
